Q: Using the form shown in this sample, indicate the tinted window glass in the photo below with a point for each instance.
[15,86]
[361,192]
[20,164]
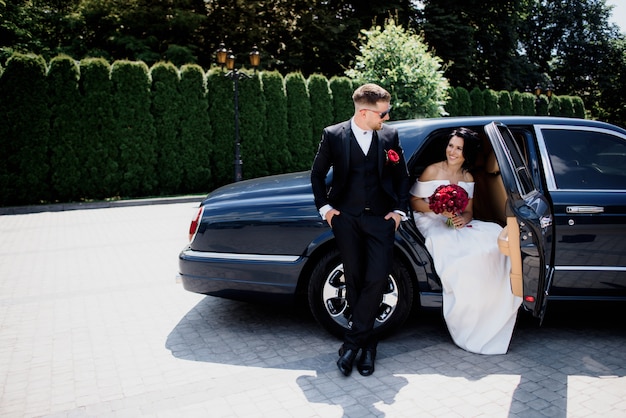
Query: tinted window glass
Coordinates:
[586,159]
[525,184]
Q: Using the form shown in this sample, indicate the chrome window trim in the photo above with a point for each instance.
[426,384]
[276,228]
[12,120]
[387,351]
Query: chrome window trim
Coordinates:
[243,257]
[545,156]
[589,268]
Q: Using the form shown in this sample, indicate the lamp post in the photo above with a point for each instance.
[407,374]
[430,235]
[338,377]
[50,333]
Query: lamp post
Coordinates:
[227,58]
[549,91]
[537,92]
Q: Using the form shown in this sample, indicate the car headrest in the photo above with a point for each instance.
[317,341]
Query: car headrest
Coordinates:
[491,164]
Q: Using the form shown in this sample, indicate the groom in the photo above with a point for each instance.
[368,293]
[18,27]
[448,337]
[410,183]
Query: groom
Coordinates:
[363,205]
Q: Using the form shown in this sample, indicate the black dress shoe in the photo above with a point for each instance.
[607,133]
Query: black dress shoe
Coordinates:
[365,365]
[346,359]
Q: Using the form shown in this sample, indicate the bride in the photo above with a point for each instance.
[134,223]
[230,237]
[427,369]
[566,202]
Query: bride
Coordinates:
[478,305]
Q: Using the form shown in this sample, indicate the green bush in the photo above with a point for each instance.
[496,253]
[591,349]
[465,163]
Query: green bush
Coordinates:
[528,104]
[491,102]
[567,106]
[517,106]
[464,103]
[554,106]
[252,124]
[134,128]
[195,131]
[24,131]
[101,168]
[541,106]
[451,104]
[321,104]
[276,139]
[343,107]
[66,146]
[221,117]
[167,110]
[505,105]
[300,141]
[579,107]
[98,131]
[478,102]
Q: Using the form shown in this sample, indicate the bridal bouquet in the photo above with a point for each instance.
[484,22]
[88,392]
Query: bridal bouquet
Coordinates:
[448,198]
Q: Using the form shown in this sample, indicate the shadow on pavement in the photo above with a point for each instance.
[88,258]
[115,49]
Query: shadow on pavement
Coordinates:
[575,340]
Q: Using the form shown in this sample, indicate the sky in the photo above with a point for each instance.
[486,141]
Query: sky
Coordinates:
[619,13]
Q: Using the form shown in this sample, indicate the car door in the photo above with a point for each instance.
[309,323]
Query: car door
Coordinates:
[527,235]
[585,172]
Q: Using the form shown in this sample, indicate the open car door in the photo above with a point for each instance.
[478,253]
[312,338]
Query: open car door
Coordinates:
[527,236]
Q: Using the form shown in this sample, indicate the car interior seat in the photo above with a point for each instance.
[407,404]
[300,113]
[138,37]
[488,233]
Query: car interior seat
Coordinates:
[495,189]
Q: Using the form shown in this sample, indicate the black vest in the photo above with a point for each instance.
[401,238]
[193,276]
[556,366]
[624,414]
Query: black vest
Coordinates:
[363,190]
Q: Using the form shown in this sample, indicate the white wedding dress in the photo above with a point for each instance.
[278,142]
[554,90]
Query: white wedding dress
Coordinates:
[478,306]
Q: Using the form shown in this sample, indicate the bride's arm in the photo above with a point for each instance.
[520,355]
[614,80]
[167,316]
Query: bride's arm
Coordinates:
[418,204]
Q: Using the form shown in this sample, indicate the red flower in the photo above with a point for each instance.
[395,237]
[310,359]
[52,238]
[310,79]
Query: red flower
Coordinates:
[450,198]
[392,157]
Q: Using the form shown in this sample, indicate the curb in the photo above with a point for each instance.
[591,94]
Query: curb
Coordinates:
[61,207]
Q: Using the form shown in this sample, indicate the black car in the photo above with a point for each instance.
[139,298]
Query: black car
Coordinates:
[556,185]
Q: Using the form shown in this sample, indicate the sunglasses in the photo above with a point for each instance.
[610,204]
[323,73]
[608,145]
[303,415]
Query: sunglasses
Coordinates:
[381,114]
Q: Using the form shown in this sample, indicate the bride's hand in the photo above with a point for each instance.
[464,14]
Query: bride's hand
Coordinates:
[458,221]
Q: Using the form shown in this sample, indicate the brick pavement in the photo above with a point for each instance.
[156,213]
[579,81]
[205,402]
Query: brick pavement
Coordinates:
[92,324]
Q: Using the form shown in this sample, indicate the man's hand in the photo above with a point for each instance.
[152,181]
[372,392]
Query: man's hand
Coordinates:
[329,216]
[396,217]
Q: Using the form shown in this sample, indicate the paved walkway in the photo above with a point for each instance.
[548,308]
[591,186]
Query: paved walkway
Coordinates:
[92,324]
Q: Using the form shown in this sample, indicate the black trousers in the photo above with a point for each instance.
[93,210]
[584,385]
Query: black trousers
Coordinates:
[366,246]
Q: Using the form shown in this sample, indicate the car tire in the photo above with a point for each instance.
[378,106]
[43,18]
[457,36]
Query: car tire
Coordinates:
[326,294]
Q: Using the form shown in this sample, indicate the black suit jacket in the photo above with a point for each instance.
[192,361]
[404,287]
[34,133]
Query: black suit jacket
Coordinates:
[334,151]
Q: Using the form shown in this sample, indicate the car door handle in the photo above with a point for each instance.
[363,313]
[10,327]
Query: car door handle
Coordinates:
[584,209]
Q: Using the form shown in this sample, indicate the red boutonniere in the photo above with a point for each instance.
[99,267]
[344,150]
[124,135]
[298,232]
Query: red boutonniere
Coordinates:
[392,157]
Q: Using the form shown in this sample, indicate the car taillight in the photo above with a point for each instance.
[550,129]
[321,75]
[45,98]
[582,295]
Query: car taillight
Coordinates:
[193,228]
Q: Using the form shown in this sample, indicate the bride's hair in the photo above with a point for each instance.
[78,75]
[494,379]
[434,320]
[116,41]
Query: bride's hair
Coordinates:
[471,145]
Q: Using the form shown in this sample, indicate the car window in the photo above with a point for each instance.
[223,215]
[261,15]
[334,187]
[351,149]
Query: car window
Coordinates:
[583,159]
[516,159]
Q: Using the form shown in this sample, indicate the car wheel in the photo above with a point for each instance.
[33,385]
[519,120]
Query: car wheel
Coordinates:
[327,297]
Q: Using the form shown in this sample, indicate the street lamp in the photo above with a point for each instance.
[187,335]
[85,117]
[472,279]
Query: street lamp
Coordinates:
[549,91]
[227,58]
[538,92]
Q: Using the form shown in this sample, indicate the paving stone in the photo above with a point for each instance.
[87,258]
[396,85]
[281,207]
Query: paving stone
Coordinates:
[92,324]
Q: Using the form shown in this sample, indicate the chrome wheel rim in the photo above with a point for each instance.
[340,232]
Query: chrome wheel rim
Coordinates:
[336,305]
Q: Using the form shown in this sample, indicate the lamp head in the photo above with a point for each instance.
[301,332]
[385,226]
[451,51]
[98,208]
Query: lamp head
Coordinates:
[230,61]
[221,54]
[255,57]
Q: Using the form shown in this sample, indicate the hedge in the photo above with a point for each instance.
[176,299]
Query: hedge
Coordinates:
[93,130]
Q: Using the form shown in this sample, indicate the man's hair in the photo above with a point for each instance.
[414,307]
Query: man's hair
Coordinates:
[370,94]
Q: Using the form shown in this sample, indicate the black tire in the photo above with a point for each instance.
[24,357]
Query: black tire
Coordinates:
[327,299]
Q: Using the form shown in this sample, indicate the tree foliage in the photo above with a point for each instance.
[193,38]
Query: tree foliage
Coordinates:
[277,130]
[399,61]
[253,150]
[502,45]
[300,143]
[24,131]
[321,104]
[167,111]
[102,154]
[221,117]
[342,89]
[66,140]
[195,130]
[134,128]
